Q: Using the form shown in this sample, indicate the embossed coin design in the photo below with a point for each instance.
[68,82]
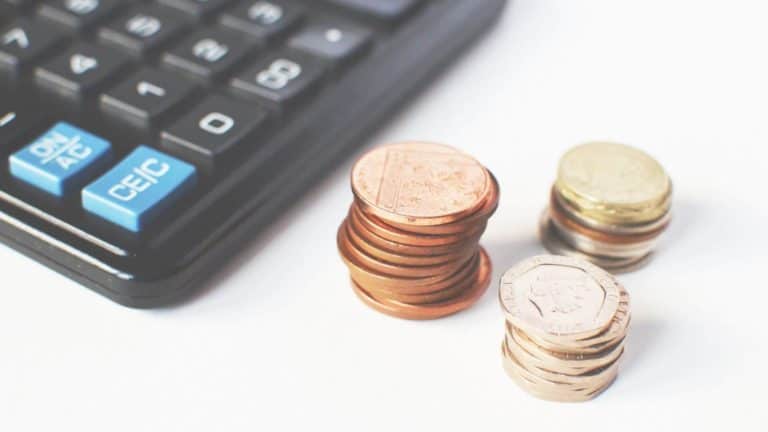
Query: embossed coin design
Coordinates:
[609,205]
[567,321]
[410,239]
[417,183]
[614,183]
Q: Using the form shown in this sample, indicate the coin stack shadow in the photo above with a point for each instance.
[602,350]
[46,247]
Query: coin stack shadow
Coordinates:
[557,356]
[409,267]
[609,205]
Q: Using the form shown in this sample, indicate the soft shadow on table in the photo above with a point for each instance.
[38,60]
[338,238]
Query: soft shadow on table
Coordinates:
[643,338]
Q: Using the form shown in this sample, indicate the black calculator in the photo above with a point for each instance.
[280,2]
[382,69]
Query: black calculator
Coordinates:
[144,142]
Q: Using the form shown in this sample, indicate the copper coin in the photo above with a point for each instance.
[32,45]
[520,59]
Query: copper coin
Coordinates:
[390,290]
[425,298]
[404,249]
[395,269]
[418,183]
[435,310]
[405,285]
[380,228]
[464,225]
[401,259]
[558,215]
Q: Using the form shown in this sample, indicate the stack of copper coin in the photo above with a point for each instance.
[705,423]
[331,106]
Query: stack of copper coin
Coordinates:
[609,205]
[411,237]
[567,320]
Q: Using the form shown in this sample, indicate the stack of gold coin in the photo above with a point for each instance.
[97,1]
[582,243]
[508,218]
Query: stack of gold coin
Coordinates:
[411,237]
[609,205]
[566,322]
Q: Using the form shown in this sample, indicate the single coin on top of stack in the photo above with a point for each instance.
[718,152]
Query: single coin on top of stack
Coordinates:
[411,237]
[566,323]
[609,205]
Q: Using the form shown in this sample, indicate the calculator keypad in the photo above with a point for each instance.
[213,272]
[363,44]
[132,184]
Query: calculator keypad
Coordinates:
[205,81]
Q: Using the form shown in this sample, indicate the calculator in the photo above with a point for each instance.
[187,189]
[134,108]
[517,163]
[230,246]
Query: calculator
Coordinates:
[144,143]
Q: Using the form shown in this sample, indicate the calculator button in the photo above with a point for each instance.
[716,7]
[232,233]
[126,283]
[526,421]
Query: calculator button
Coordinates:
[24,41]
[79,14]
[280,78]
[144,30]
[82,69]
[139,189]
[213,128]
[262,19]
[60,160]
[146,97]
[196,8]
[335,42]
[383,9]
[208,54]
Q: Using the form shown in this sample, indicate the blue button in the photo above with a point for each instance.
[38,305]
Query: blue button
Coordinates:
[139,188]
[61,160]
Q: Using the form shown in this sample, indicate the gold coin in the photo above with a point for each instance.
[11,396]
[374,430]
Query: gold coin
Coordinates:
[589,378]
[545,390]
[614,183]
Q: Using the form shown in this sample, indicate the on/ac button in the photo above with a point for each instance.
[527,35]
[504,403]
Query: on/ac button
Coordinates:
[139,189]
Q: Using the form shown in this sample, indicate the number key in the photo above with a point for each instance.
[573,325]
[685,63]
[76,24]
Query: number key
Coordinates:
[280,78]
[79,14]
[144,30]
[212,129]
[81,70]
[263,20]
[208,54]
[146,97]
[196,8]
[24,41]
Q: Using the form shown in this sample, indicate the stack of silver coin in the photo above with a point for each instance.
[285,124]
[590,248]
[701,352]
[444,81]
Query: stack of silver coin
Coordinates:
[566,324]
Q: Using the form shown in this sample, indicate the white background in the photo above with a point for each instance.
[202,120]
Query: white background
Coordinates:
[279,342]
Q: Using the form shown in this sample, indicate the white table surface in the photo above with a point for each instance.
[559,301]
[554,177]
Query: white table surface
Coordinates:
[279,342]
